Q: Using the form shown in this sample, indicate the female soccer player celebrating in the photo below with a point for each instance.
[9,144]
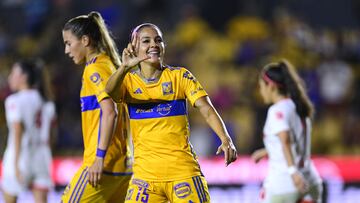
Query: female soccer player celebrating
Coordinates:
[165,165]
[287,137]
[106,156]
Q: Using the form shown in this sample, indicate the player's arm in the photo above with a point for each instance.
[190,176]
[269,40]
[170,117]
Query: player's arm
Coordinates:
[107,125]
[259,154]
[292,169]
[213,119]
[18,131]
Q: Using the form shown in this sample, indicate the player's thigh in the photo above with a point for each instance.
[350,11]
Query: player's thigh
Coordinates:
[193,190]
[75,188]
[141,191]
[120,190]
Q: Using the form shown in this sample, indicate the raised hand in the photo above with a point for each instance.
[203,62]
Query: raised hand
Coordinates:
[130,56]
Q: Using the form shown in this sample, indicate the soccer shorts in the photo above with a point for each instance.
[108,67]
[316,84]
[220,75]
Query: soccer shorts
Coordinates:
[190,190]
[112,188]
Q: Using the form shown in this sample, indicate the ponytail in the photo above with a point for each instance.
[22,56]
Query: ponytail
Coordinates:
[289,83]
[94,27]
[107,43]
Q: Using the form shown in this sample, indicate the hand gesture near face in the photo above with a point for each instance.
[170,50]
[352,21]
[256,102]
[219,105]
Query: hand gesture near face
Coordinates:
[130,57]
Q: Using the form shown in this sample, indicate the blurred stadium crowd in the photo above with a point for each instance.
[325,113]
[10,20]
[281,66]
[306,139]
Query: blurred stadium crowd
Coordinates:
[223,44]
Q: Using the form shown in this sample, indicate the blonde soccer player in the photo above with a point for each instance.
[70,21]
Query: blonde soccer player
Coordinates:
[106,169]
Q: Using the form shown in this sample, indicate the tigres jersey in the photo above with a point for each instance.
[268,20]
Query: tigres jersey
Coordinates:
[95,76]
[159,124]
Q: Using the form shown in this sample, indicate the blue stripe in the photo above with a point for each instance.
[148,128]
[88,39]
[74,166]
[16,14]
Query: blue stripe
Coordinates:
[77,185]
[82,191]
[202,188]
[81,186]
[89,103]
[99,132]
[157,110]
[197,189]
[117,173]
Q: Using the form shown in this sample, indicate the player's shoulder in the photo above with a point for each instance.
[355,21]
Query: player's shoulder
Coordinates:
[285,106]
[12,98]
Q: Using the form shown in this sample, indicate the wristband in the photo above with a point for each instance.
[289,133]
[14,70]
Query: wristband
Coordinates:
[291,170]
[100,153]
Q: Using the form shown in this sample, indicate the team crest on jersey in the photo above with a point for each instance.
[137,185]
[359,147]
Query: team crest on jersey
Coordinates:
[95,78]
[182,190]
[279,115]
[167,88]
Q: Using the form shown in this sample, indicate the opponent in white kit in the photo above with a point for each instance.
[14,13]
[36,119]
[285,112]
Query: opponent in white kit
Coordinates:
[23,115]
[292,176]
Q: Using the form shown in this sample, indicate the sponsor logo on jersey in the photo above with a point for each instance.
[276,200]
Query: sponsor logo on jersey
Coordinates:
[163,109]
[182,190]
[189,76]
[167,88]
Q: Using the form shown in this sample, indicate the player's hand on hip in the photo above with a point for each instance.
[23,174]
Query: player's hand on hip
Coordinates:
[229,151]
[95,171]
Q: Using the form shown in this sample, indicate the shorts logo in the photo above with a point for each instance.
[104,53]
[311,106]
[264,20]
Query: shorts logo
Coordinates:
[182,190]
[167,88]
[95,78]
[140,183]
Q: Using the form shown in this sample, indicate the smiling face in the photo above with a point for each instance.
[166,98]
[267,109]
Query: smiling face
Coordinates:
[75,48]
[151,44]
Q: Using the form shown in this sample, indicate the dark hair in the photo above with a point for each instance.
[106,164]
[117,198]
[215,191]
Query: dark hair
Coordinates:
[29,68]
[94,27]
[44,82]
[141,26]
[288,82]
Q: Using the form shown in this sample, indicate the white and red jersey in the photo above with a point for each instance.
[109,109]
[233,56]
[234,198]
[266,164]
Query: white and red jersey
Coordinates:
[48,116]
[23,107]
[282,116]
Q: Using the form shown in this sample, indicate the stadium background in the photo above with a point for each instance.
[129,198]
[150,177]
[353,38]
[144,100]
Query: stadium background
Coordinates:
[224,43]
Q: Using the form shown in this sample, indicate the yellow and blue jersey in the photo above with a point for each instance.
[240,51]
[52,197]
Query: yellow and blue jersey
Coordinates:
[159,124]
[95,77]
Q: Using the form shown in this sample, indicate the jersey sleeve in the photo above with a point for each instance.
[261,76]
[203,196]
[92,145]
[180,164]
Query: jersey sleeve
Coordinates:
[13,110]
[191,86]
[278,120]
[97,76]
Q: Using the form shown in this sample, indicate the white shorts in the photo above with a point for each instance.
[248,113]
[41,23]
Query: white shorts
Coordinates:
[34,166]
[313,195]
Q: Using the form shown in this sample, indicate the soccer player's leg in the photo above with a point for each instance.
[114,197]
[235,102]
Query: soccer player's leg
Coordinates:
[191,190]
[118,194]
